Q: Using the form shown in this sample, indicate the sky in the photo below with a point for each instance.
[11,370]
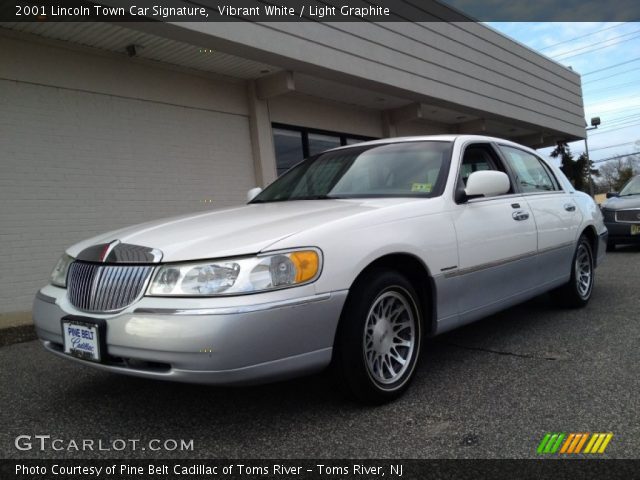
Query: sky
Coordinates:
[607,55]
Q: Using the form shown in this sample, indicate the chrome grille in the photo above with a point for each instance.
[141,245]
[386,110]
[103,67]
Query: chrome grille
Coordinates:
[105,288]
[632,216]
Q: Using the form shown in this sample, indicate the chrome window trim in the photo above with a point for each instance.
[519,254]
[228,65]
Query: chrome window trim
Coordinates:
[490,199]
[550,192]
[236,310]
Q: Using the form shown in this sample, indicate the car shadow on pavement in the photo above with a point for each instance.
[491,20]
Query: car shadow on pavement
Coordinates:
[624,249]
[462,374]
[297,395]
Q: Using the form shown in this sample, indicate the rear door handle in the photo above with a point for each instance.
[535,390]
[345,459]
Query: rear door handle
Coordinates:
[520,215]
[569,207]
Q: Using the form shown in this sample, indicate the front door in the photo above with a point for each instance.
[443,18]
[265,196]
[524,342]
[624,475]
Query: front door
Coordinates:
[496,242]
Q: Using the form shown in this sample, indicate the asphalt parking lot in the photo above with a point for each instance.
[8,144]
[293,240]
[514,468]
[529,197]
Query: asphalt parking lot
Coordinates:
[489,390]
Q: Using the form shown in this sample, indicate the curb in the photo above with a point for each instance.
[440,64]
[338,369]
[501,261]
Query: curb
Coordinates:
[17,334]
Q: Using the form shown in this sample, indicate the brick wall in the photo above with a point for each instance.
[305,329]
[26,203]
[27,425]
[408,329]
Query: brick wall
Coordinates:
[75,163]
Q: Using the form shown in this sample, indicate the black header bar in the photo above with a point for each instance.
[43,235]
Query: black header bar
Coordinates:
[317,10]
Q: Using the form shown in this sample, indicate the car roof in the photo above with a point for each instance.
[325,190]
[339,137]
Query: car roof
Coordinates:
[441,138]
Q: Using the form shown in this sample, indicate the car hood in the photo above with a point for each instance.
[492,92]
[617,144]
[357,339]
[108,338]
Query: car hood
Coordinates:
[234,231]
[622,203]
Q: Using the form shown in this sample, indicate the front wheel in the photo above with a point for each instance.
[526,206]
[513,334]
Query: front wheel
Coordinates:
[577,292]
[379,337]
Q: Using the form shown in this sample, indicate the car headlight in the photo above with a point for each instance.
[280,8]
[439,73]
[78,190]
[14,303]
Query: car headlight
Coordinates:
[59,273]
[236,276]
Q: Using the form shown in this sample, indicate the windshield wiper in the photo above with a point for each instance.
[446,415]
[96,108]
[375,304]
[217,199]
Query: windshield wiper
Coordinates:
[629,194]
[309,197]
[318,197]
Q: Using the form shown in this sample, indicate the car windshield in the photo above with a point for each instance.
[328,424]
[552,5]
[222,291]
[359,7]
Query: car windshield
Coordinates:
[632,187]
[407,169]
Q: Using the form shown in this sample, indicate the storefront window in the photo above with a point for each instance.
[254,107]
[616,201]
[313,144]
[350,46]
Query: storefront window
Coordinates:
[288,147]
[318,143]
[294,144]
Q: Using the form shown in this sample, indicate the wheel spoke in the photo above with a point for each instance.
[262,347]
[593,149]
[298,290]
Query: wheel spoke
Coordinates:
[395,313]
[390,367]
[400,342]
[583,270]
[389,337]
[396,356]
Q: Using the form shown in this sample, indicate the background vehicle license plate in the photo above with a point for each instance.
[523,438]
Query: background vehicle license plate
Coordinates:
[81,339]
[635,229]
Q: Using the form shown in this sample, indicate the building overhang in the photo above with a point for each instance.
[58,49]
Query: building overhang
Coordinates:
[283,62]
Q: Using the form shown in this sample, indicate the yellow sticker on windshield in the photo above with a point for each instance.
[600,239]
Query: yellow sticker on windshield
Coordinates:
[421,187]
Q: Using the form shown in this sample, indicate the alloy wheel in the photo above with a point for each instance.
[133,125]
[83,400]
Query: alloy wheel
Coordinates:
[583,271]
[389,336]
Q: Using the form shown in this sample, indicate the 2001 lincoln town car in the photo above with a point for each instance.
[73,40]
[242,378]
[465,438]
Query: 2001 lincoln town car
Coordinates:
[348,259]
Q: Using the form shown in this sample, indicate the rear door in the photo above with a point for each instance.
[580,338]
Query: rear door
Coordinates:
[554,210]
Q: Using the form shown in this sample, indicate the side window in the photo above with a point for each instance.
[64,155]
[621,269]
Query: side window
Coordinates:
[477,157]
[531,174]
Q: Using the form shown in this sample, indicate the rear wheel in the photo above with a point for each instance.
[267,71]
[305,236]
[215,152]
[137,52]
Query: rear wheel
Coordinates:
[379,338]
[577,292]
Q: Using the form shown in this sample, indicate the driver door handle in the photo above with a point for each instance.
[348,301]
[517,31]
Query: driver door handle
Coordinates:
[569,207]
[520,215]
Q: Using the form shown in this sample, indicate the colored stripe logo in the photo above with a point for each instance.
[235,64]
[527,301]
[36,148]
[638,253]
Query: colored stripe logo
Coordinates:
[568,443]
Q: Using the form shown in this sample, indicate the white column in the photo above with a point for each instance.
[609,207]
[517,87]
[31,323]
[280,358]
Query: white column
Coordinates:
[264,158]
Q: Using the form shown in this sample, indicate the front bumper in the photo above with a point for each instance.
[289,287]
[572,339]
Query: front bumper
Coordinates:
[206,343]
[621,233]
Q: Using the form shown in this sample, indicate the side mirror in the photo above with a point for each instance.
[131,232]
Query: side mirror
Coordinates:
[612,194]
[487,183]
[253,193]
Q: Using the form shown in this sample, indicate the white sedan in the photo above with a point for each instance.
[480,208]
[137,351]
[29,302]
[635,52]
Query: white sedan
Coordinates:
[351,258]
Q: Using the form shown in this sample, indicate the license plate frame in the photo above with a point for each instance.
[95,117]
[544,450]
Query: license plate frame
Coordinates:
[95,345]
[635,229]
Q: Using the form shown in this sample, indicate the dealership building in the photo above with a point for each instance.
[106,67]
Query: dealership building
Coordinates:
[104,125]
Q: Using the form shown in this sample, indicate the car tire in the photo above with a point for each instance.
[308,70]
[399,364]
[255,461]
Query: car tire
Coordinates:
[577,292]
[379,337]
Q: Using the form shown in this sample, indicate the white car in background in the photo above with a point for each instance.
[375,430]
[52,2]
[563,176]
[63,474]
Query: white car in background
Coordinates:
[349,259]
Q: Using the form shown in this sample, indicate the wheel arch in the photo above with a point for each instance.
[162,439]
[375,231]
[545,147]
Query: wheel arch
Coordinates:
[592,235]
[417,273]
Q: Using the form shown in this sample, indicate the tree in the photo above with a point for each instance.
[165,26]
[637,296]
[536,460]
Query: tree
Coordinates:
[625,175]
[577,171]
[582,173]
[616,172]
